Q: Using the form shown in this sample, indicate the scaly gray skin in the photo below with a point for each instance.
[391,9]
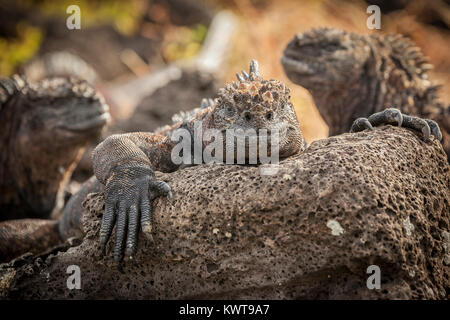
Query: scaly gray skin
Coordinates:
[351,76]
[45,126]
[124,164]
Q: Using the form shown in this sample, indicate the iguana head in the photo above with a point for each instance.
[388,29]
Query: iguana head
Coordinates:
[253,103]
[45,126]
[57,112]
[325,60]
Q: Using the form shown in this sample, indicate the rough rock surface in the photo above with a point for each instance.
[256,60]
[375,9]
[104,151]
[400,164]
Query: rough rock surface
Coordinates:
[310,231]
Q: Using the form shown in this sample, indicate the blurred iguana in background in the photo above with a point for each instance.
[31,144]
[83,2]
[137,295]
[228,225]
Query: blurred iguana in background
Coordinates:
[45,127]
[351,76]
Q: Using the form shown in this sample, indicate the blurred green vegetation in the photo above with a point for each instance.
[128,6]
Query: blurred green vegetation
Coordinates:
[184,42]
[16,51]
[124,15]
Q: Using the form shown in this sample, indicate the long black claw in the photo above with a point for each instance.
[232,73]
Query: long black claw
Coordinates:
[360,124]
[435,130]
[418,124]
[160,188]
[120,232]
[132,235]
[108,221]
[426,132]
[146,215]
[387,116]
[156,189]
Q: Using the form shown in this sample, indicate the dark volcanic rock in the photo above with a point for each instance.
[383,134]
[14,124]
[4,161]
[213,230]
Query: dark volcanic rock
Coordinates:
[310,231]
[157,109]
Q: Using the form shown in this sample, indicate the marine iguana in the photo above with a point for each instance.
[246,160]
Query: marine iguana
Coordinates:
[44,128]
[351,76]
[124,164]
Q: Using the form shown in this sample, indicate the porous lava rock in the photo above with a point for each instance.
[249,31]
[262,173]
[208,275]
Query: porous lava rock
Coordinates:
[310,231]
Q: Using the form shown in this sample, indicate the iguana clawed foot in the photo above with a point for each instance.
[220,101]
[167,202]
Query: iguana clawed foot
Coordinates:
[395,117]
[129,201]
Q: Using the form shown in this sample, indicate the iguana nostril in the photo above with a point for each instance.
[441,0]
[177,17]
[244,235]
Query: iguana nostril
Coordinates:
[269,115]
[248,116]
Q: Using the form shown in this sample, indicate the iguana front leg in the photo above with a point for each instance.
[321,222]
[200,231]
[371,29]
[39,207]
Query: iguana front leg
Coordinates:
[395,117]
[124,164]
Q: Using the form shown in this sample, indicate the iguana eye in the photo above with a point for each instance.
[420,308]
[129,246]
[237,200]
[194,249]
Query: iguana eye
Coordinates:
[333,47]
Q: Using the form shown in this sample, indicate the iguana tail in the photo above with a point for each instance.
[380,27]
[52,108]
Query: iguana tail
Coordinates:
[27,235]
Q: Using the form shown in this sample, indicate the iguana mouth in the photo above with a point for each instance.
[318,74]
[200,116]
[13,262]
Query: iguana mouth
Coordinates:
[92,123]
[265,136]
[293,65]
[260,132]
